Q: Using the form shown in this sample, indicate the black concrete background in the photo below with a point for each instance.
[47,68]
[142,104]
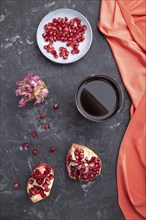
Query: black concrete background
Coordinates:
[69,200]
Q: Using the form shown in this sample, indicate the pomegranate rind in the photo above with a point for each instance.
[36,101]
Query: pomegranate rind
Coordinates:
[36,198]
[88,153]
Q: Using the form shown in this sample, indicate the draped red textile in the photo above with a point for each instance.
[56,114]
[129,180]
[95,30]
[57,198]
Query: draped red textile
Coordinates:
[123,23]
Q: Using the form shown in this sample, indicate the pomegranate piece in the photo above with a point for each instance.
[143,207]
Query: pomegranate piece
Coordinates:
[35,151]
[52,149]
[82,163]
[34,134]
[40,182]
[16,185]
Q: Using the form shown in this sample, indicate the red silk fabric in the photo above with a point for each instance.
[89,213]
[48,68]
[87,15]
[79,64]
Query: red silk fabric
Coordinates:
[123,23]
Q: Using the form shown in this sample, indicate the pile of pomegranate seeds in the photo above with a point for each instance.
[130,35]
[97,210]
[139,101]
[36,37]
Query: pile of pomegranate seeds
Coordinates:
[82,163]
[64,30]
[16,185]
[63,52]
[40,182]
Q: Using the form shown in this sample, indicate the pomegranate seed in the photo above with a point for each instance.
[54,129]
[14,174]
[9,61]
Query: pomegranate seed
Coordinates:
[68,44]
[59,20]
[82,38]
[31,181]
[75,47]
[46,126]
[75,51]
[45,185]
[46,39]
[51,42]
[52,149]
[45,47]
[72,51]
[66,19]
[35,151]
[62,48]
[49,50]
[61,54]
[54,38]
[42,116]
[33,134]
[55,56]
[44,35]
[50,46]
[65,57]
[26,145]
[51,176]
[56,106]
[70,39]
[53,52]
[16,185]
[60,28]
[54,20]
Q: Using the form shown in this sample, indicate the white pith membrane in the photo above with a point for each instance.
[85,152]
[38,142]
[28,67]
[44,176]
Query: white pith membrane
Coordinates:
[84,162]
[45,186]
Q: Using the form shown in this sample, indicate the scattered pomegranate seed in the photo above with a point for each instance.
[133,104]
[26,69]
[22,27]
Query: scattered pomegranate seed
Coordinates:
[56,106]
[34,134]
[26,145]
[16,185]
[52,149]
[65,30]
[46,126]
[42,116]
[35,151]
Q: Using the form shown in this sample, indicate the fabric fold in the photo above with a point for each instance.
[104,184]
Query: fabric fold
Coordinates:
[123,23]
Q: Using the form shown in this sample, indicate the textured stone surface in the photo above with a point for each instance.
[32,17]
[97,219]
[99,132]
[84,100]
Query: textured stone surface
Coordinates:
[69,200]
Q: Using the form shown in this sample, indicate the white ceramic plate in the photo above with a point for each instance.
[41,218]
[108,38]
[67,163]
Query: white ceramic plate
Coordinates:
[83,47]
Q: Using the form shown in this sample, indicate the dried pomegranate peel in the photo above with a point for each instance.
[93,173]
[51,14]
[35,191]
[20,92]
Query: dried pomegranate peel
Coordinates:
[82,163]
[40,182]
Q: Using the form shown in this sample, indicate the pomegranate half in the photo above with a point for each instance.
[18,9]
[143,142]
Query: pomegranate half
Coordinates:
[40,182]
[82,163]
